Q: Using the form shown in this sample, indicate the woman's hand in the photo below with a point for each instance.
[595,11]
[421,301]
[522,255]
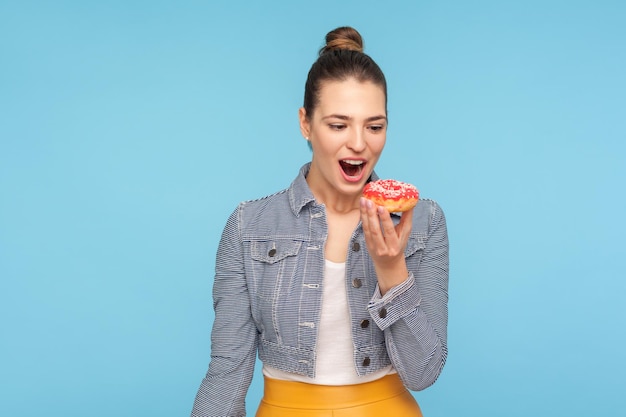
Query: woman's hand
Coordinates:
[386,243]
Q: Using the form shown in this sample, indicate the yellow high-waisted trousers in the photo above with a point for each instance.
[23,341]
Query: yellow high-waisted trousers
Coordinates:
[384,397]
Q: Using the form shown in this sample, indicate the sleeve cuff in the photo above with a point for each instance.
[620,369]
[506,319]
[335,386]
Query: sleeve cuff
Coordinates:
[398,302]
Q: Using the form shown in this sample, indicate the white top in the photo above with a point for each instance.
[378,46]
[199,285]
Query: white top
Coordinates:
[335,350]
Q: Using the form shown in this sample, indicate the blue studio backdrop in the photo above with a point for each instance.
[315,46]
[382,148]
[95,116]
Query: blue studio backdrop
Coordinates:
[129,130]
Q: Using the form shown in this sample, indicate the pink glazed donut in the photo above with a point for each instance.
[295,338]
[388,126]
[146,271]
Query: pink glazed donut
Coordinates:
[395,196]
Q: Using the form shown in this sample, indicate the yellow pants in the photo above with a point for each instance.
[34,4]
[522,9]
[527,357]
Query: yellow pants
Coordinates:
[384,397]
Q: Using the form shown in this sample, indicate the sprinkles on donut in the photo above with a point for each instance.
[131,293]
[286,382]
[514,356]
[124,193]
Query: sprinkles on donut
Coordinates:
[395,196]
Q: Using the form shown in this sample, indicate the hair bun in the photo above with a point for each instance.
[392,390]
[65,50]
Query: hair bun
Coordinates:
[343,37]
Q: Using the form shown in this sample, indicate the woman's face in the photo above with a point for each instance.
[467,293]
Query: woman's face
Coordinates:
[347,132]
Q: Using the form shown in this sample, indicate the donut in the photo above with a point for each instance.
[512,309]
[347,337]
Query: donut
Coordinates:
[395,196]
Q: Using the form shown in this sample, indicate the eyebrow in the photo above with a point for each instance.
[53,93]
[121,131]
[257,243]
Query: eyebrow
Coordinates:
[344,117]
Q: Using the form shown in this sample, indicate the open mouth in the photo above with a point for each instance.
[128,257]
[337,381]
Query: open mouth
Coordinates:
[352,167]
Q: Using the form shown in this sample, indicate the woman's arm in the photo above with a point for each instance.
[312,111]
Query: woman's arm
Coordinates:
[234,335]
[414,313]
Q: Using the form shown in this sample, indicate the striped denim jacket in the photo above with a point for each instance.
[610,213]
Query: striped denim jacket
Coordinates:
[267,298]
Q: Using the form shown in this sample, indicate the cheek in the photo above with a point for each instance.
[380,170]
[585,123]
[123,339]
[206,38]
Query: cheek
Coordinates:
[326,145]
[378,144]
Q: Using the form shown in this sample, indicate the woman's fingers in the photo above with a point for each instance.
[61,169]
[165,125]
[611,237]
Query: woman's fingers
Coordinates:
[404,226]
[381,235]
[369,219]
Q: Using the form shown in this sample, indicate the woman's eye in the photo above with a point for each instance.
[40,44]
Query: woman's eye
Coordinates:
[337,126]
[376,128]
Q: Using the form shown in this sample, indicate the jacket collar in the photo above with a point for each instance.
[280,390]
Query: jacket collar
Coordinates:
[299,192]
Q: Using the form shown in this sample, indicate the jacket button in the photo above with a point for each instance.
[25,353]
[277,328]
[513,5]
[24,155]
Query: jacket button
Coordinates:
[365,323]
[356,247]
[366,361]
[382,313]
[272,252]
[356,283]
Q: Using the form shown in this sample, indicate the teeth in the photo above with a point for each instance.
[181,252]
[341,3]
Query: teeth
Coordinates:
[351,162]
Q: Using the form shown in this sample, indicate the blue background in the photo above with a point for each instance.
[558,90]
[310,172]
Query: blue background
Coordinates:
[129,130]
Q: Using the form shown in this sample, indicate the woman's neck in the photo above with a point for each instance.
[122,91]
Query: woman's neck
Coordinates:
[335,201]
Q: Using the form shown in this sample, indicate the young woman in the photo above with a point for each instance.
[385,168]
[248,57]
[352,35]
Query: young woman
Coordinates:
[345,304]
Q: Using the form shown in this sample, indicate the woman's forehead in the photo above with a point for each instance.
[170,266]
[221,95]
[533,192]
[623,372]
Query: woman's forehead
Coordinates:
[351,96]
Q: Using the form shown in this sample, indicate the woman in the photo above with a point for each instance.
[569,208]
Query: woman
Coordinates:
[345,303]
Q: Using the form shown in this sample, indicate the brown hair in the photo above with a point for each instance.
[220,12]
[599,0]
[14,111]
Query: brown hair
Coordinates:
[341,58]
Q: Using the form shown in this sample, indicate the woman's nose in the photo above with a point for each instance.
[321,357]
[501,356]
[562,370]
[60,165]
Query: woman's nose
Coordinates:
[357,141]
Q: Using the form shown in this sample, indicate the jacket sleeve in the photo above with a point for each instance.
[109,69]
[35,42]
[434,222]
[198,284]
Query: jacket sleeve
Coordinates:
[414,314]
[233,338]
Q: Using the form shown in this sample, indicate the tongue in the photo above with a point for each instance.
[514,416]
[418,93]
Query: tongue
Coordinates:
[351,170]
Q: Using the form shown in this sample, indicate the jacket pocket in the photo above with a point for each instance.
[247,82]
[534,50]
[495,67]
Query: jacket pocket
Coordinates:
[415,245]
[273,251]
[273,265]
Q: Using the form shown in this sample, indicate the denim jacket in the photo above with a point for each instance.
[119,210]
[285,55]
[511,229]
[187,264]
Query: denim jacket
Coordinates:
[267,298]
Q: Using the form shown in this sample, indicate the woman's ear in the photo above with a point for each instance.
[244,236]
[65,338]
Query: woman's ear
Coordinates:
[305,125]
